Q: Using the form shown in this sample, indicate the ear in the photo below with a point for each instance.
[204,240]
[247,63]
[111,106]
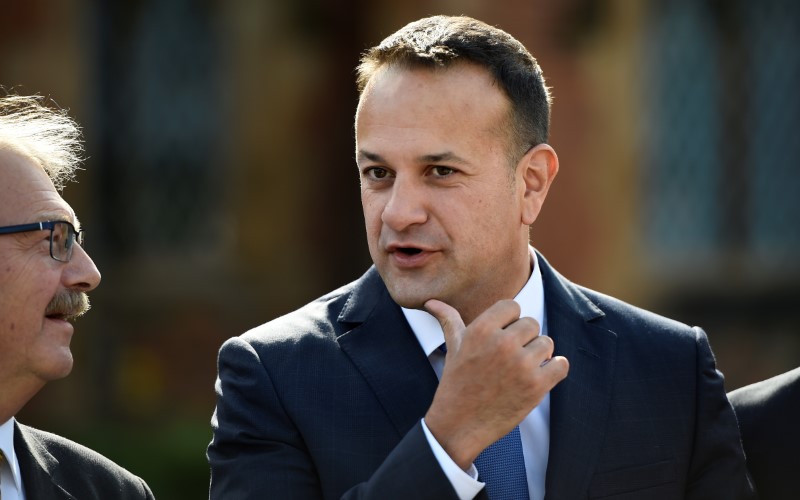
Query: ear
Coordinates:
[536,169]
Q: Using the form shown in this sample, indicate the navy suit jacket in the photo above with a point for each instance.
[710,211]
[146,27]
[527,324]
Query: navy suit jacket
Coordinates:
[55,468]
[326,402]
[769,416]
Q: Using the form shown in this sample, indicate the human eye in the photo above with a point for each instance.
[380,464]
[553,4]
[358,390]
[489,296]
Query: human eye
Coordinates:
[442,171]
[62,234]
[57,235]
[376,173]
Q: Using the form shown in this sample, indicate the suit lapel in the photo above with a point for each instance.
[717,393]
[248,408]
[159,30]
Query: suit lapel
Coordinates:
[39,469]
[384,349]
[579,405]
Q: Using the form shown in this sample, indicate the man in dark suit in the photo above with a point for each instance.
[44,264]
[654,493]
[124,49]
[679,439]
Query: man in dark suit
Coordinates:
[768,413]
[44,277]
[542,387]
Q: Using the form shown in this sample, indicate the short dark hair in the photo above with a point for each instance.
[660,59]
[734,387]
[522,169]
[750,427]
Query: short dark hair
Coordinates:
[441,41]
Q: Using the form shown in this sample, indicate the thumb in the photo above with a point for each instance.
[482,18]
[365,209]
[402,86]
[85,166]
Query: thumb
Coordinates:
[449,318]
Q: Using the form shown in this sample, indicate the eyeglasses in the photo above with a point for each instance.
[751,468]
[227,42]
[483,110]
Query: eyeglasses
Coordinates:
[63,236]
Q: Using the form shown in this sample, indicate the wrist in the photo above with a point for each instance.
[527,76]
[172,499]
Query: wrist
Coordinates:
[455,443]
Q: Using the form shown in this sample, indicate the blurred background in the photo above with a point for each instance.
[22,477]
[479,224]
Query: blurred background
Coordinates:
[221,190]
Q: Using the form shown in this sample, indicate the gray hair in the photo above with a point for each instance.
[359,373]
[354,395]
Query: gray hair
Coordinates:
[44,134]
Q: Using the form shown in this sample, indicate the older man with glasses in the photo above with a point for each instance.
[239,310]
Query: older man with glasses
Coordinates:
[45,274]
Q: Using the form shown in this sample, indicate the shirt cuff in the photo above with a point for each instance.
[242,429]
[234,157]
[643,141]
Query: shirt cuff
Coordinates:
[466,483]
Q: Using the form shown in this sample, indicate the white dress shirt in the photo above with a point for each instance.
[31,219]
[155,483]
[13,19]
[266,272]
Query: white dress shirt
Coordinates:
[534,429]
[10,478]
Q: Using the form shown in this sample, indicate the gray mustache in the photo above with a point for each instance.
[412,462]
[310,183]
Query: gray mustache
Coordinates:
[69,304]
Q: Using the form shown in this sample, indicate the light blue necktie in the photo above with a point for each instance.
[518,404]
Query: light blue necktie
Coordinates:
[502,466]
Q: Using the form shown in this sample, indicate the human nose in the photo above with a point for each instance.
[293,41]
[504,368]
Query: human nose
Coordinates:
[82,274]
[406,206]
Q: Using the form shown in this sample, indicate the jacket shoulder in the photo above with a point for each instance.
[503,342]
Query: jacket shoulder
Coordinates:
[618,312]
[565,297]
[81,469]
[317,318]
[780,391]
[325,318]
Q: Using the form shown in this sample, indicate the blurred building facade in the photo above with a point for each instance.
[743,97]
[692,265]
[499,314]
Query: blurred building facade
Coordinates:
[221,190]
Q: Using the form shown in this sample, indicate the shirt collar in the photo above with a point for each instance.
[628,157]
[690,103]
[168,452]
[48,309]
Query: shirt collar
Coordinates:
[531,300]
[7,446]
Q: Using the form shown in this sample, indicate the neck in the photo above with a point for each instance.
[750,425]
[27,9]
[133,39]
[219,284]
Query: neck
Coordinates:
[16,394]
[483,297]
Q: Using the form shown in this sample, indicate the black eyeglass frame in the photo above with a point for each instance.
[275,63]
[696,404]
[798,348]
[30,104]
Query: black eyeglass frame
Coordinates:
[73,235]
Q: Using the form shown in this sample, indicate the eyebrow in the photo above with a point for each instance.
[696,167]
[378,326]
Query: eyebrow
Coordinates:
[72,218]
[447,156]
[369,156]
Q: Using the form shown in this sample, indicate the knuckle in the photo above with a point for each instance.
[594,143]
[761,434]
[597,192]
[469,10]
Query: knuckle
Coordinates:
[529,324]
[513,307]
[558,368]
[447,323]
[506,307]
[546,343]
[563,363]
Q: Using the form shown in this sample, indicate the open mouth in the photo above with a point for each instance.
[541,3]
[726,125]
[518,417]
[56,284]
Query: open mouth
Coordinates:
[409,251]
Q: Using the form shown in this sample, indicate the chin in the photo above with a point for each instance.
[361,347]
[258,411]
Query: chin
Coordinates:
[410,292]
[57,366]
[409,299]
[411,303]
